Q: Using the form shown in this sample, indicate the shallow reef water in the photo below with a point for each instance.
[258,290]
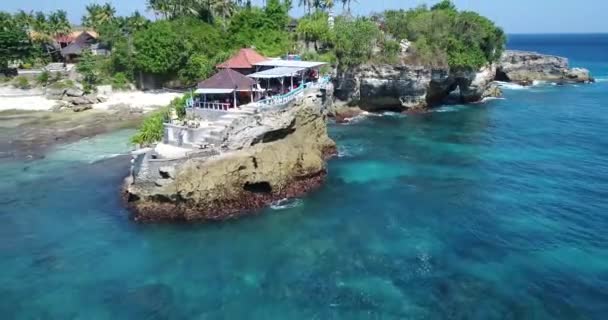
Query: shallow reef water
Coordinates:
[496,210]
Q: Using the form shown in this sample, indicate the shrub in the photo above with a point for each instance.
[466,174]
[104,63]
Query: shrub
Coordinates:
[355,40]
[179,104]
[56,77]
[152,128]
[43,78]
[26,66]
[120,81]
[390,51]
[21,82]
[64,84]
[445,36]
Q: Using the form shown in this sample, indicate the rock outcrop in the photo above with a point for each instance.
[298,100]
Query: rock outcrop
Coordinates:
[266,157]
[526,67]
[400,87]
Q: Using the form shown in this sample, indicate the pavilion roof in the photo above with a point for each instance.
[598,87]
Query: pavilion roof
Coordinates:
[290,63]
[278,72]
[227,79]
[244,59]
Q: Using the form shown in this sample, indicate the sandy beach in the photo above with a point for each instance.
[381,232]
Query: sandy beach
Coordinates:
[17,99]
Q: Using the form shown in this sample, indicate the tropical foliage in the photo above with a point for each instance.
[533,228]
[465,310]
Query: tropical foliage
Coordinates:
[151,130]
[14,41]
[443,35]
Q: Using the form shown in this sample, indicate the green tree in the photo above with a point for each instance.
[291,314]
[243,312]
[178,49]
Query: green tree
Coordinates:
[315,28]
[167,46]
[98,15]
[14,41]
[87,67]
[58,23]
[157,48]
[444,36]
[262,29]
[355,40]
[444,5]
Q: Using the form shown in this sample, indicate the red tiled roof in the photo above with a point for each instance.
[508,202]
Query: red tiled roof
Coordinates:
[244,59]
[68,38]
[227,79]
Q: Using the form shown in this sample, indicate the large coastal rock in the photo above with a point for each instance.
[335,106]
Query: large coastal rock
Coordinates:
[400,87]
[267,157]
[526,67]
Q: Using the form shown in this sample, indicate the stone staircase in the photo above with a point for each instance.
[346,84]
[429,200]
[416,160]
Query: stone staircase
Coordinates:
[212,134]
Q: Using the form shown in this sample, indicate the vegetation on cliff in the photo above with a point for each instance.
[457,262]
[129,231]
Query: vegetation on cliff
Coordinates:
[442,35]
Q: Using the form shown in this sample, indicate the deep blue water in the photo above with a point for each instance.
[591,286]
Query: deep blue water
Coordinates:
[490,211]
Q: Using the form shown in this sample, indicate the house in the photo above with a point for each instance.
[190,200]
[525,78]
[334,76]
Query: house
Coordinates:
[225,90]
[243,61]
[85,40]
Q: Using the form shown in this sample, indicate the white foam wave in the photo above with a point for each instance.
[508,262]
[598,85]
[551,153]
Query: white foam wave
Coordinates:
[343,152]
[448,108]
[511,86]
[602,79]
[286,204]
[491,98]
[393,114]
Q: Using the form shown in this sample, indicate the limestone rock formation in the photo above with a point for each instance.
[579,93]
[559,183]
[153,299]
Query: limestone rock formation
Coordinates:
[400,87]
[268,156]
[526,67]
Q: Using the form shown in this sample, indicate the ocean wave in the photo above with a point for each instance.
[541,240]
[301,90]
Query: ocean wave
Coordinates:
[452,108]
[393,114]
[286,204]
[511,86]
[601,79]
[491,98]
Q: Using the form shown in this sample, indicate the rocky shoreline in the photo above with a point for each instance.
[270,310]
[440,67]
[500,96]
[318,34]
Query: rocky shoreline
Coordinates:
[269,156]
[280,154]
[403,87]
[30,134]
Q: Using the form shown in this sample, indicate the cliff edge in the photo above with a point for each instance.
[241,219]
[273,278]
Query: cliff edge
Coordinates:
[266,157]
[402,86]
[525,67]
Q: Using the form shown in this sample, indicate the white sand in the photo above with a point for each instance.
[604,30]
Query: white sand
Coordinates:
[138,99]
[11,98]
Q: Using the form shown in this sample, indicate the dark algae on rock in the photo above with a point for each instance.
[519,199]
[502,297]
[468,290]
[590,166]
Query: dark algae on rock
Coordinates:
[271,156]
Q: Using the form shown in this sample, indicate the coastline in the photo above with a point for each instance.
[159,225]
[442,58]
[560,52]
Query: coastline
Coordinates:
[33,129]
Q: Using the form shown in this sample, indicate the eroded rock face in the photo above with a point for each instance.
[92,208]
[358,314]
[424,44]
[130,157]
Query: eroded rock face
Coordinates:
[402,87]
[270,156]
[526,67]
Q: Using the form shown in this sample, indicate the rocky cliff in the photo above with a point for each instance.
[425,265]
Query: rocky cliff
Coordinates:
[266,157]
[526,67]
[399,87]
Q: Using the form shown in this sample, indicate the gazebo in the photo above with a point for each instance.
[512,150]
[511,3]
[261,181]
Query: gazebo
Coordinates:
[294,71]
[224,91]
[243,61]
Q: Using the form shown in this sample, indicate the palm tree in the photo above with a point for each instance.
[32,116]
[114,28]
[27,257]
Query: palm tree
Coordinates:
[24,19]
[58,23]
[346,5]
[98,15]
[136,21]
[222,8]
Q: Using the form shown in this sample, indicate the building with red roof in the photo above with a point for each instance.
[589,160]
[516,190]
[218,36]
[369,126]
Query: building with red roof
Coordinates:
[243,61]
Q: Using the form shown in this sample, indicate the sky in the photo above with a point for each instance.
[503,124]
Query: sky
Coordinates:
[514,16]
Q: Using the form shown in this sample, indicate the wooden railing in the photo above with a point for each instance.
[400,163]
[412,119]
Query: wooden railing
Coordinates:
[212,105]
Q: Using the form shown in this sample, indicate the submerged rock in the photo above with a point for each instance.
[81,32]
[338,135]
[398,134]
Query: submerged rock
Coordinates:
[525,67]
[267,156]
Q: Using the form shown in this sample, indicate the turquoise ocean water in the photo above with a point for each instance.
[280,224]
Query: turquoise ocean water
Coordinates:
[496,210]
